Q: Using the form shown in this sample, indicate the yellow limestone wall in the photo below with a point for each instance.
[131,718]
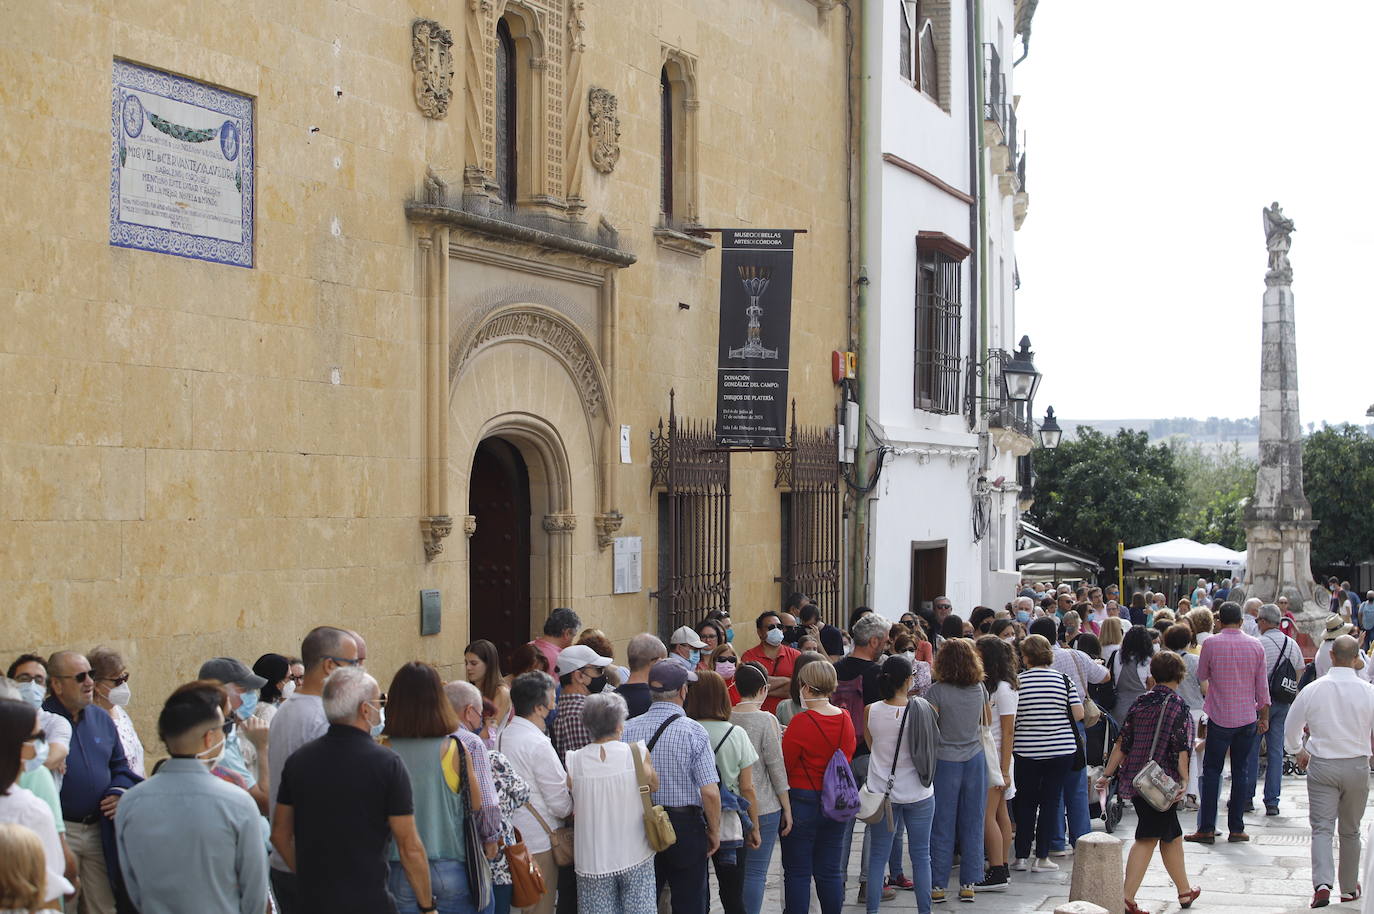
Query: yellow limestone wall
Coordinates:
[179,478]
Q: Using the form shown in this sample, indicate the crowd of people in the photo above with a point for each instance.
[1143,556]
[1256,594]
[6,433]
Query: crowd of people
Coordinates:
[572,783]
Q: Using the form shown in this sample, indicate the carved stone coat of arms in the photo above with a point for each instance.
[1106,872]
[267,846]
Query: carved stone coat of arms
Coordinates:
[603,131]
[432,59]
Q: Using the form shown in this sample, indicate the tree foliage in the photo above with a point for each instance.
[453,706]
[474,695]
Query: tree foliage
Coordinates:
[1216,487]
[1338,476]
[1094,490]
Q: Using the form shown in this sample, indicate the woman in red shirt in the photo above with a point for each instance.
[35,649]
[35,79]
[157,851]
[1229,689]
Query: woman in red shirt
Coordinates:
[814,846]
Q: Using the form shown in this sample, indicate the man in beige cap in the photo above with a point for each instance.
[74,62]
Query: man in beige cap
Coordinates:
[685,647]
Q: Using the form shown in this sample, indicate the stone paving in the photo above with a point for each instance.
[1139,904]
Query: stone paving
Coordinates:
[1269,874]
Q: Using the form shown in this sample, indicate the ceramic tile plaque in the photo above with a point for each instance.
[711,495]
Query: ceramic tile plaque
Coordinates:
[181,167]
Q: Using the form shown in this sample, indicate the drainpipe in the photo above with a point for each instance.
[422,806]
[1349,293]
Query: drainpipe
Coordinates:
[869,88]
[977,216]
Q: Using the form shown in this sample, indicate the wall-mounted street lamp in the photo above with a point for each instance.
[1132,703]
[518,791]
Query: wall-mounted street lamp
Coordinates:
[1019,376]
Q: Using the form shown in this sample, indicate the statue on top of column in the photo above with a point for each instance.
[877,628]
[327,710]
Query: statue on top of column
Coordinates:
[1278,230]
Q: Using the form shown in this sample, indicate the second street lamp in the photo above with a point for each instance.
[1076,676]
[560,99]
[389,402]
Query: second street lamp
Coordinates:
[1050,432]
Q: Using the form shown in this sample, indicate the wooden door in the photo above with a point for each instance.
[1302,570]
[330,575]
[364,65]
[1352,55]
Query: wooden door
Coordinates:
[499,553]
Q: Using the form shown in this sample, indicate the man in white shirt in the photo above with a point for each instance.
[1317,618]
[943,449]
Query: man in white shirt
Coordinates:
[1337,711]
[1278,647]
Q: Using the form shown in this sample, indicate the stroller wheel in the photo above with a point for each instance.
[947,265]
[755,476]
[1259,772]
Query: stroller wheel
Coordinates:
[1112,816]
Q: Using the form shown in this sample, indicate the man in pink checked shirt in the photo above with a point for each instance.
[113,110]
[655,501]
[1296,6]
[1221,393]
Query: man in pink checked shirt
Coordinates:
[1237,706]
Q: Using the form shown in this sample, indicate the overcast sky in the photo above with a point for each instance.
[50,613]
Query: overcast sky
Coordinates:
[1155,137]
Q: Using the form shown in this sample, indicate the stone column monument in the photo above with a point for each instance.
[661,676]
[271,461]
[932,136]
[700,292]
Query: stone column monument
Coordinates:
[1278,520]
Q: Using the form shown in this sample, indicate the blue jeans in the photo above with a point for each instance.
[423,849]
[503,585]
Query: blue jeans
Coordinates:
[1220,741]
[1273,749]
[916,818]
[894,860]
[961,796]
[448,880]
[1073,799]
[757,861]
[813,848]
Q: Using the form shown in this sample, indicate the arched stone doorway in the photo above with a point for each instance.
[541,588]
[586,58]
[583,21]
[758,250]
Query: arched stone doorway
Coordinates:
[499,550]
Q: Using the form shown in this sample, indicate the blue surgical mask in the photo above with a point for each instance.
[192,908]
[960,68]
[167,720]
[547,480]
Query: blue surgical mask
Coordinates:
[695,657]
[32,692]
[774,636]
[250,701]
[729,635]
[40,749]
[380,725]
[1022,616]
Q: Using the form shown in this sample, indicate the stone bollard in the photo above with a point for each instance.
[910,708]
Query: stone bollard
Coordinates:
[1081,907]
[1098,876]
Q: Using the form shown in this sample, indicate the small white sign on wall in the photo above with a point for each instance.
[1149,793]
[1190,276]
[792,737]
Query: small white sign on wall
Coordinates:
[624,444]
[629,576]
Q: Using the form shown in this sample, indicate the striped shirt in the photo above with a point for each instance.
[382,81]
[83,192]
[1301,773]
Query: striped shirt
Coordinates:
[1042,714]
[1081,669]
[682,756]
[1232,665]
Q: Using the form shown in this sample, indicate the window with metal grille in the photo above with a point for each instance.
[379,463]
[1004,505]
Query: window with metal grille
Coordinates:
[938,314]
[906,28]
[694,520]
[809,469]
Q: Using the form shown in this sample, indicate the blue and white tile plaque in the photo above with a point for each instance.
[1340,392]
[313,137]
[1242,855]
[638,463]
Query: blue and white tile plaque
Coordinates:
[181,167]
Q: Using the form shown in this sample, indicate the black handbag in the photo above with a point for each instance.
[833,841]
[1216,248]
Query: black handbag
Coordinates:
[1080,756]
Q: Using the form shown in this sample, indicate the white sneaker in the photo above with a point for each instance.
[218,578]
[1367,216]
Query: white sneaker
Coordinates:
[1044,865]
[1019,864]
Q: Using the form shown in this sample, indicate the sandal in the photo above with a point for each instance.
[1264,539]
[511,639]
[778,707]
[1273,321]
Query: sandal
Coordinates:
[1186,900]
[1131,908]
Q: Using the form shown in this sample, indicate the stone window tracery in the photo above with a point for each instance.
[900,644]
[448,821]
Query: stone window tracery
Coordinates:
[678,202]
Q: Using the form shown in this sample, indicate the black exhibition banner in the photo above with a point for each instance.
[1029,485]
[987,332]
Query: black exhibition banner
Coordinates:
[755,337]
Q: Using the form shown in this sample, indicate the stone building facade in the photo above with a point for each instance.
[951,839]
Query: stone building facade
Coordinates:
[471,269]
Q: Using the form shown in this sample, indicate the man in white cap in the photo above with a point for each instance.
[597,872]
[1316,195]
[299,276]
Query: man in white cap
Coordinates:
[685,647]
[579,667]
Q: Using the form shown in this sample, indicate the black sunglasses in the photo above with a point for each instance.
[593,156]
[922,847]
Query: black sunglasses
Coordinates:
[344,660]
[79,677]
[769,628]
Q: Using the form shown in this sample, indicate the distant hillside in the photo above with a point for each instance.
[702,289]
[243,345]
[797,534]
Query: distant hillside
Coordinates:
[1212,432]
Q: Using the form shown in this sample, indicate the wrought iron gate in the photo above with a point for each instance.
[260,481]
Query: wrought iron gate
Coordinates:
[694,520]
[810,470]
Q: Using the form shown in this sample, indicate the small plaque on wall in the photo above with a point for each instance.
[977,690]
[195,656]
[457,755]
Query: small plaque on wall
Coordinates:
[628,555]
[430,607]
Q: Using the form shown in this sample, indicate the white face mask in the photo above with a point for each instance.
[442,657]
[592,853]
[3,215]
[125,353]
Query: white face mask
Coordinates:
[120,695]
[1010,639]
[210,761]
[288,690]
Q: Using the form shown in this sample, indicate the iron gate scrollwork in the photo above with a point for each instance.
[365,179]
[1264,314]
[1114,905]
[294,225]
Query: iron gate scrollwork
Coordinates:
[810,470]
[694,520]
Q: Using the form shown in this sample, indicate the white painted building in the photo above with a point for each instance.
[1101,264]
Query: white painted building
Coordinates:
[942,193]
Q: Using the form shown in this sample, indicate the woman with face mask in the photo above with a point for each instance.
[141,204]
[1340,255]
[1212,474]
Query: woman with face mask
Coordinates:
[276,669]
[21,749]
[724,661]
[112,693]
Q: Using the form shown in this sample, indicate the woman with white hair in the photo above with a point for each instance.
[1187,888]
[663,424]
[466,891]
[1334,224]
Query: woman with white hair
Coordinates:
[613,859]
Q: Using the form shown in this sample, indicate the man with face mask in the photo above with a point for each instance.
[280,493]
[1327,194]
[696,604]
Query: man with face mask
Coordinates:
[189,841]
[299,720]
[242,685]
[30,674]
[578,668]
[342,800]
[685,647]
[776,658]
[525,744]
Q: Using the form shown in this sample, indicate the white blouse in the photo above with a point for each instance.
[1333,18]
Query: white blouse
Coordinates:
[128,738]
[609,837]
[884,720]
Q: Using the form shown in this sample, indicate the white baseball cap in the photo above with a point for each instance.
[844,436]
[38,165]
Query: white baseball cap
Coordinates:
[686,636]
[578,656]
